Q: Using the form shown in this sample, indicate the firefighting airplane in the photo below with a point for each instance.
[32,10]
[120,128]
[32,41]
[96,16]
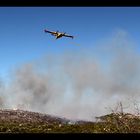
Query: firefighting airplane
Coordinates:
[58,34]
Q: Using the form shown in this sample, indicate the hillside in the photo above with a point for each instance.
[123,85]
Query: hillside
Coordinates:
[20,121]
[33,122]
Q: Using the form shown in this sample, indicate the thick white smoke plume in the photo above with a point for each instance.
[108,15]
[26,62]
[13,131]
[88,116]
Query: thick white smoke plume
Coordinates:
[78,84]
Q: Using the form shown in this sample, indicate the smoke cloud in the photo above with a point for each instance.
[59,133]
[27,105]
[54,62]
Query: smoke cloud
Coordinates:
[78,84]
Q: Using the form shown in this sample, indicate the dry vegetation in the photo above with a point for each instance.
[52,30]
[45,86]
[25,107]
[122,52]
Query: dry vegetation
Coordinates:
[19,121]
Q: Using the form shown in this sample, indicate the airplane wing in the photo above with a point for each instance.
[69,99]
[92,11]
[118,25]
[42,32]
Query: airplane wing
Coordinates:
[69,36]
[54,33]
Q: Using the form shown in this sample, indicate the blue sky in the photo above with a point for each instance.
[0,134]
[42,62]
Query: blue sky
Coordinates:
[22,38]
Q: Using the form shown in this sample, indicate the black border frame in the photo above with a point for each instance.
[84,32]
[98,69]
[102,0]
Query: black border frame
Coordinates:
[69,3]
[75,3]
